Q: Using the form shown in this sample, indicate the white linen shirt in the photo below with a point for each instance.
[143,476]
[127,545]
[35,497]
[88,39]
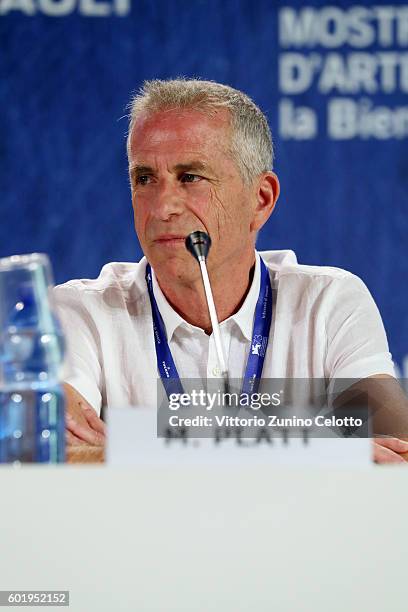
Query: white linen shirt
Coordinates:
[325,324]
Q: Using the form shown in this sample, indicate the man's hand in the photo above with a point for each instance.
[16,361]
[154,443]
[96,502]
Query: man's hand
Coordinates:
[389,450]
[388,404]
[83,426]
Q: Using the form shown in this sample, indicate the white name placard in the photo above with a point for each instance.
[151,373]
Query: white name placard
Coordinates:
[132,440]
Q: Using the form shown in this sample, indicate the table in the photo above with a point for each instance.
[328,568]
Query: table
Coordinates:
[96,454]
[85,454]
[193,540]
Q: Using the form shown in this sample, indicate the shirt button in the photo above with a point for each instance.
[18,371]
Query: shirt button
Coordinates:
[216,372]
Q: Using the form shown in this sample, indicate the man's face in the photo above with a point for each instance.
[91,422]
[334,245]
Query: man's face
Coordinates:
[183,179]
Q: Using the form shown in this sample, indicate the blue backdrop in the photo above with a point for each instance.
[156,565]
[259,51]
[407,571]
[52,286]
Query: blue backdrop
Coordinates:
[333,81]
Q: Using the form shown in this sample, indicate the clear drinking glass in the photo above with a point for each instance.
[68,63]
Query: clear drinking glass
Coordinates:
[32,420]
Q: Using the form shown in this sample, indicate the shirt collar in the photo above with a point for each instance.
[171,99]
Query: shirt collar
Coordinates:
[244,318]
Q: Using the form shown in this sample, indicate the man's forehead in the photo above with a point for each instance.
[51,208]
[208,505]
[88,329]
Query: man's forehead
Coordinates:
[187,130]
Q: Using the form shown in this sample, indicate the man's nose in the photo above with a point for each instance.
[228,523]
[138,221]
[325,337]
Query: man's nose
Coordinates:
[169,200]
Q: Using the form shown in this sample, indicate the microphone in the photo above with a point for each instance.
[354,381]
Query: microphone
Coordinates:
[199,243]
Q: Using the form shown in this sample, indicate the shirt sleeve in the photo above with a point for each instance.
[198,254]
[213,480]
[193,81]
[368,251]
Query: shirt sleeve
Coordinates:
[83,369]
[357,345]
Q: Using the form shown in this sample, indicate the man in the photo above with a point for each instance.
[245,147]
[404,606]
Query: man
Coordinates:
[200,158]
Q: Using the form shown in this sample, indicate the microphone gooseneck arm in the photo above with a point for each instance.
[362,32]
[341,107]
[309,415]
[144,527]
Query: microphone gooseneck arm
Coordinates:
[213,316]
[198,243]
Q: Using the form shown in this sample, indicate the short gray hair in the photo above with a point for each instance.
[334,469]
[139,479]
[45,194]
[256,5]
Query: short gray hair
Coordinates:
[251,140]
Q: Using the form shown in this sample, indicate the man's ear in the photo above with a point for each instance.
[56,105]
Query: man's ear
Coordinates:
[267,193]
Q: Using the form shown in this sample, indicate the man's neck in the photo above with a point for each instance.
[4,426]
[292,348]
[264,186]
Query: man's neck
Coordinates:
[229,287]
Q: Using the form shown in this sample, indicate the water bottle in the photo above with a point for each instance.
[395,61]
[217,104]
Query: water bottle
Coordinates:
[32,418]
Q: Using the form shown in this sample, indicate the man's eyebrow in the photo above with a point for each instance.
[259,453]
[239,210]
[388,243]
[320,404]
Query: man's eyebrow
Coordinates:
[196,165]
[193,165]
[137,169]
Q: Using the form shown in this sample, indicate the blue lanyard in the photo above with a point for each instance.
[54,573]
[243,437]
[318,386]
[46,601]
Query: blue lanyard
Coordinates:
[260,336]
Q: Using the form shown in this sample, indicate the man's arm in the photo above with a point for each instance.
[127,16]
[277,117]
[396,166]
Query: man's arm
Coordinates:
[82,423]
[388,405]
[84,429]
[357,348]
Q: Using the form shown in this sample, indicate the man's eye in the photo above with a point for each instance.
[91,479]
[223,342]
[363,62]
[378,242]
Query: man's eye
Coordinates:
[143,179]
[190,178]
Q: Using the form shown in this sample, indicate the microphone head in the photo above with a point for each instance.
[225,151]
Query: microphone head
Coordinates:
[198,243]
